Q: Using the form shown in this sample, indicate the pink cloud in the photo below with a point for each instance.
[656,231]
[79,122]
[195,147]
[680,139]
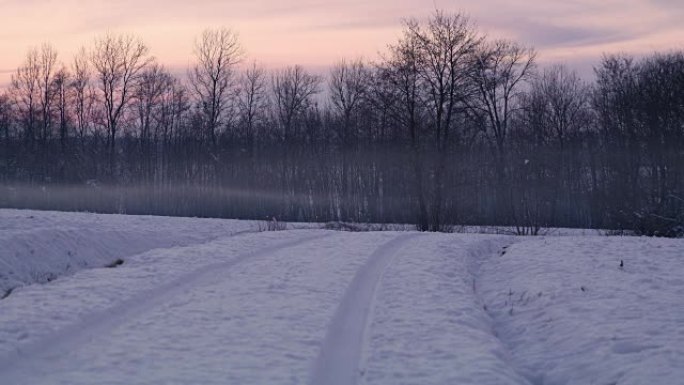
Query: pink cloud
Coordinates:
[317,33]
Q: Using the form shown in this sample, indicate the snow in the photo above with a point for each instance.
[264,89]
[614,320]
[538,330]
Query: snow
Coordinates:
[212,302]
[40,246]
[429,326]
[340,354]
[570,315]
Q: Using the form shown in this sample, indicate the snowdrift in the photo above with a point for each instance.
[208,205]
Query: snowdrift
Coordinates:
[40,246]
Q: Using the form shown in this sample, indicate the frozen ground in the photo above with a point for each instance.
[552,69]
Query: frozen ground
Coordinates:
[39,246]
[570,315]
[226,305]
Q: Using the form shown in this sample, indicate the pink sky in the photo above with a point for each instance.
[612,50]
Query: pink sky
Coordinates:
[317,33]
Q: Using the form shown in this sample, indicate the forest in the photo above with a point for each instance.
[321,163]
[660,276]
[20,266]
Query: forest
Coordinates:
[446,128]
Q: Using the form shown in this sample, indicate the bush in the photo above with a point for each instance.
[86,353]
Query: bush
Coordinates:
[272,225]
[664,220]
[355,227]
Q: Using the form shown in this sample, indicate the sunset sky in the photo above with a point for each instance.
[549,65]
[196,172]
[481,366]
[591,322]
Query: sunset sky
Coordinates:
[317,33]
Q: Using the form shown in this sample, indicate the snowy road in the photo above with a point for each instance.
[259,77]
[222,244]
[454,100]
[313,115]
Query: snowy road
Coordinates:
[322,307]
[290,307]
[92,326]
[339,360]
[257,315]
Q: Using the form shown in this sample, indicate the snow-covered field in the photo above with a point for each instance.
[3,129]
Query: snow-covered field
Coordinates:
[214,302]
[39,246]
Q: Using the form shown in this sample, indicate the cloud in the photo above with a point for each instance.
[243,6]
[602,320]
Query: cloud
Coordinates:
[544,35]
[315,32]
[669,5]
[354,24]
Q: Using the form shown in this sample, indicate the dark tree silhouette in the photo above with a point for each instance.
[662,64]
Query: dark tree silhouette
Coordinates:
[448,128]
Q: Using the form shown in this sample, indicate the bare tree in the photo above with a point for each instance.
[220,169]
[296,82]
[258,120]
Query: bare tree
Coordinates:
[217,51]
[149,90]
[556,110]
[47,61]
[430,72]
[118,61]
[446,45]
[175,103]
[82,93]
[293,91]
[24,90]
[567,99]
[6,120]
[252,99]
[348,86]
[640,111]
[501,68]
[6,116]
[398,85]
[60,85]
[532,119]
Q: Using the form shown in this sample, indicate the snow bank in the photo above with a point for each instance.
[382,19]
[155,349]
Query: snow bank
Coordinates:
[569,314]
[429,326]
[39,246]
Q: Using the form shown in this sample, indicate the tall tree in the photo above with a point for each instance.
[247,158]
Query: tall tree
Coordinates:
[567,102]
[501,69]
[47,62]
[399,85]
[60,85]
[6,120]
[217,51]
[24,89]
[348,86]
[154,82]
[82,94]
[293,91]
[118,61]
[6,117]
[252,100]
[446,46]
[174,107]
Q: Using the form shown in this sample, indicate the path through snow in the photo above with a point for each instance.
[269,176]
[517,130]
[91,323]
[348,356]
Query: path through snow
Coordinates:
[63,341]
[339,359]
[325,307]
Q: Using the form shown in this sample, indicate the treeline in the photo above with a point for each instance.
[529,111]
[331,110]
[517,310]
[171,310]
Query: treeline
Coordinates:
[447,128]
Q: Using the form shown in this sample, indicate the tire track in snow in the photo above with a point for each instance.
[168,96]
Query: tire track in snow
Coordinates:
[62,341]
[339,359]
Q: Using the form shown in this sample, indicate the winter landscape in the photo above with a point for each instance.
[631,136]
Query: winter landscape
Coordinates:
[326,192]
[197,301]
